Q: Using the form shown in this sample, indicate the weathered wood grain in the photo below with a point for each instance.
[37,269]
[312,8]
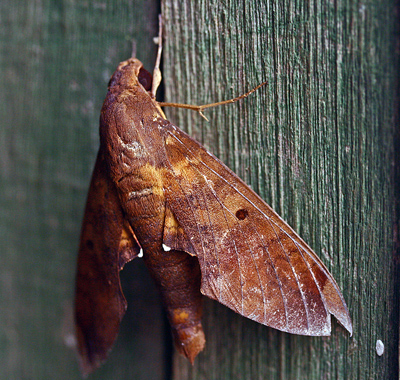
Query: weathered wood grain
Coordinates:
[317,144]
[56,58]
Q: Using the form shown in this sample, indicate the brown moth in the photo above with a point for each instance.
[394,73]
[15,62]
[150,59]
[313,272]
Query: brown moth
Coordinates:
[157,193]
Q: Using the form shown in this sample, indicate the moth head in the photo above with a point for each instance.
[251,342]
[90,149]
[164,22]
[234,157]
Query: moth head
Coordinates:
[129,74]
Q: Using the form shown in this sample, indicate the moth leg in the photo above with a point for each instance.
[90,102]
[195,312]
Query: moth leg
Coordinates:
[157,72]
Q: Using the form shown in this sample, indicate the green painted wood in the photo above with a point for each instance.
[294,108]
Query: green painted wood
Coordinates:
[317,144]
[56,58]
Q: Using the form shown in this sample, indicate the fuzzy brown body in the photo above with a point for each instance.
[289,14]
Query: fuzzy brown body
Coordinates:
[156,190]
[133,138]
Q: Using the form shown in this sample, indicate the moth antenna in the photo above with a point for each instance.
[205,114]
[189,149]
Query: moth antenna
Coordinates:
[157,72]
[202,115]
[200,109]
[133,55]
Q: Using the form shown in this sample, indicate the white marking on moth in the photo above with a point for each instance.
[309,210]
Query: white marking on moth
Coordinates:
[140,254]
[380,347]
[211,185]
[134,147]
[166,248]
[141,193]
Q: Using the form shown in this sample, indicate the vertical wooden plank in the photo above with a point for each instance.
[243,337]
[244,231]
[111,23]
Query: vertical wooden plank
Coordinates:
[317,144]
[56,58]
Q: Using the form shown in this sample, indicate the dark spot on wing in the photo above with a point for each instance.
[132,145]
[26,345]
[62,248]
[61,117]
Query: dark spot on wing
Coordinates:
[241,214]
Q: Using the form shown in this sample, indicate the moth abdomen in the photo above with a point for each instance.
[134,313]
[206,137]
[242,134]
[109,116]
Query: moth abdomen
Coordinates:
[178,278]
